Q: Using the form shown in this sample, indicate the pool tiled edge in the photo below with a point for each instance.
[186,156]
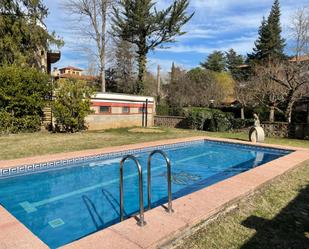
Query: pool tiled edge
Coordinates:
[13,234]
[161,227]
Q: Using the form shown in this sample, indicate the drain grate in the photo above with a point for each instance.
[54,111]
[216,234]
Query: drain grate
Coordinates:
[56,223]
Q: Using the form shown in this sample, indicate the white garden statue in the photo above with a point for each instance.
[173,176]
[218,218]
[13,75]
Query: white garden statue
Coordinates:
[256,133]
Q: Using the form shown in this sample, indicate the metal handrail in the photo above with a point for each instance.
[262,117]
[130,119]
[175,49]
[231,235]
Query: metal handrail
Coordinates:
[169,179]
[141,221]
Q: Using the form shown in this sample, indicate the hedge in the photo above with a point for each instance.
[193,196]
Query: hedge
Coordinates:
[214,120]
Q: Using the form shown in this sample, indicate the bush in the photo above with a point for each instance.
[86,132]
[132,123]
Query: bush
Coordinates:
[242,123]
[214,120]
[165,110]
[11,124]
[72,105]
[23,93]
[209,119]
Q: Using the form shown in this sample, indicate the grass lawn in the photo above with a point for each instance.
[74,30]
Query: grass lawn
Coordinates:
[276,217]
[42,143]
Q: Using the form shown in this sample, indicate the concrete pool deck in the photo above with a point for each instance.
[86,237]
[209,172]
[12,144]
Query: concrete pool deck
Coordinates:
[161,227]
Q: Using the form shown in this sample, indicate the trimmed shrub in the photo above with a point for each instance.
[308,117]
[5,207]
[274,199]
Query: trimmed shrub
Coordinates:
[23,93]
[209,119]
[242,123]
[214,120]
[165,110]
[72,105]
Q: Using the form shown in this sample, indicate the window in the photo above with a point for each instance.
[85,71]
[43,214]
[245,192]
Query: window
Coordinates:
[125,109]
[105,109]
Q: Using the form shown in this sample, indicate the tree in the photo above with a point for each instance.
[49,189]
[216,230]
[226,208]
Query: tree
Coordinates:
[215,62]
[23,33]
[227,84]
[94,14]
[72,105]
[300,32]
[124,66]
[270,45]
[261,49]
[195,88]
[280,86]
[175,73]
[140,23]
[234,62]
[23,92]
[293,78]
[243,94]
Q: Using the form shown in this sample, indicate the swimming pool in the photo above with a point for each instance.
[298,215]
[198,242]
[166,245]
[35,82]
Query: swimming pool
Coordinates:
[81,196]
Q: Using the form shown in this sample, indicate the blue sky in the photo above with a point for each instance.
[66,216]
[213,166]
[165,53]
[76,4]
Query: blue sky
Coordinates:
[216,25]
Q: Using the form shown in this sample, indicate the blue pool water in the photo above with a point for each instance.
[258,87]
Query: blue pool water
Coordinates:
[63,205]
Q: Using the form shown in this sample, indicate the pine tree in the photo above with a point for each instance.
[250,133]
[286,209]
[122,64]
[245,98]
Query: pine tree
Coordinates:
[270,45]
[215,62]
[140,23]
[261,49]
[234,62]
[277,43]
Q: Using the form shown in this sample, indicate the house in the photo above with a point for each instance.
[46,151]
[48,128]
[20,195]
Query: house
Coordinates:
[300,58]
[70,72]
[113,110]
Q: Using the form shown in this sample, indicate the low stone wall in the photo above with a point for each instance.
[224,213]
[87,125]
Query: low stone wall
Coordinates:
[101,122]
[170,121]
[276,129]
[282,129]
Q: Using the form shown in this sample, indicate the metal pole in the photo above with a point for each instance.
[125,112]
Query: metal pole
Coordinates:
[141,221]
[169,179]
[143,115]
[146,114]
[121,190]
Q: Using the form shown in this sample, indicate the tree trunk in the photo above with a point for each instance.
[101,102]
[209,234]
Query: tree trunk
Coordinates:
[242,112]
[102,78]
[272,114]
[288,112]
[141,73]
[103,45]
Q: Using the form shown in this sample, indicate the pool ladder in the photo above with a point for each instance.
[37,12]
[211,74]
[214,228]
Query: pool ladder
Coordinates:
[141,221]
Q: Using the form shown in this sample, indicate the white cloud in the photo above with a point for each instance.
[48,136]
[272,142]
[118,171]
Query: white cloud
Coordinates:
[216,25]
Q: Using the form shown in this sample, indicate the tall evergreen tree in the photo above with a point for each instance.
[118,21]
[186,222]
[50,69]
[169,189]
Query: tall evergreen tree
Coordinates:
[23,33]
[215,62]
[270,45]
[277,43]
[140,23]
[261,49]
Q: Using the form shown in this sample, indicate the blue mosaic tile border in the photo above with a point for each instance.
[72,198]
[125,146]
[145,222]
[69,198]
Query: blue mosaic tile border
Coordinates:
[52,165]
[255,147]
[46,166]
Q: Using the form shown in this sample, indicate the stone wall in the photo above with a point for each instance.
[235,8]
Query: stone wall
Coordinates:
[276,129]
[170,121]
[101,122]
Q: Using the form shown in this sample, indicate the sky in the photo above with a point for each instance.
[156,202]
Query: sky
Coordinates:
[216,25]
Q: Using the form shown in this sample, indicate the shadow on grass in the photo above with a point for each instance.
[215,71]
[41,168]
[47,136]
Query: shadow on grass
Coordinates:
[288,230]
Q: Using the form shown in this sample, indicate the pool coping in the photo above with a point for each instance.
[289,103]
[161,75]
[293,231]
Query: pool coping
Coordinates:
[161,227]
